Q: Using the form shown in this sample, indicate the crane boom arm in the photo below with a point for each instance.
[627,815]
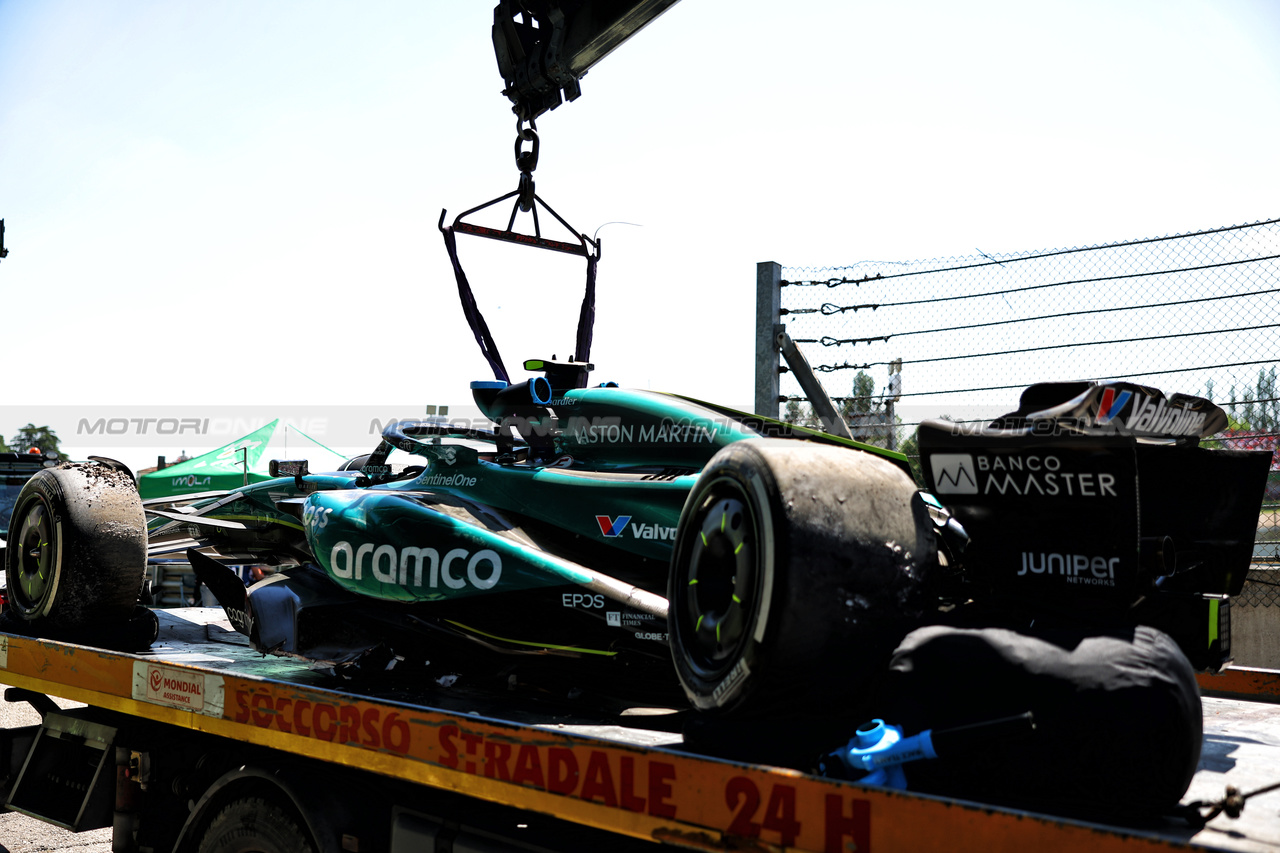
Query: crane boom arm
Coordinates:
[544,47]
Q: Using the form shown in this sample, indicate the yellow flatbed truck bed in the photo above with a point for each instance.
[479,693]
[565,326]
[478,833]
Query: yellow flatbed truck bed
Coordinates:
[201,733]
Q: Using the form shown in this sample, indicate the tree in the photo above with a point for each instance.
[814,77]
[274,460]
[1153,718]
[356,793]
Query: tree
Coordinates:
[801,415]
[1257,409]
[1267,416]
[910,448]
[39,437]
[864,388]
[860,412]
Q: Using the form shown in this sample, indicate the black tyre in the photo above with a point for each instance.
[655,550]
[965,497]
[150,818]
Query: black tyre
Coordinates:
[254,825]
[793,574]
[77,549]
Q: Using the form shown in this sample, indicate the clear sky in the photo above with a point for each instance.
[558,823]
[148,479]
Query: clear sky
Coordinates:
[235,203]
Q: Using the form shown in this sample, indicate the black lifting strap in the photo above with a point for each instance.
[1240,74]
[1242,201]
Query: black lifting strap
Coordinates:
[586,315]
[586,320]
[472,311]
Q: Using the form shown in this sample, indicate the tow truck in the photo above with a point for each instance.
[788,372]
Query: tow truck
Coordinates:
[198,742]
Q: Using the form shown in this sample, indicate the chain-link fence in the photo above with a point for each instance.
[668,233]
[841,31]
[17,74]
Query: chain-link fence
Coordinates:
[1198,313]
[1261,587]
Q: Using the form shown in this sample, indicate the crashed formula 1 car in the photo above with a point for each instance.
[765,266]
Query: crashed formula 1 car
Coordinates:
[1069,562]
[597,524]
[626,529]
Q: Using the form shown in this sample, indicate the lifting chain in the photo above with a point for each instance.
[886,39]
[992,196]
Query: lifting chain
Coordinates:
[526,162]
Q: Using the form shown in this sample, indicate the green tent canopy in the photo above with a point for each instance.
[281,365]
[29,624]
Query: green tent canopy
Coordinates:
[226,467]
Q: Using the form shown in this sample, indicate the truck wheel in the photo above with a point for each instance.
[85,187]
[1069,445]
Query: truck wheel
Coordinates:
[77,551]
[793,573]
[254,825]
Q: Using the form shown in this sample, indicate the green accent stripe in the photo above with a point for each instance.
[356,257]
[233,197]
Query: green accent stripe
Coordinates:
[801,432]
[313,441]
[527,643]
[258,518]
[1213,620]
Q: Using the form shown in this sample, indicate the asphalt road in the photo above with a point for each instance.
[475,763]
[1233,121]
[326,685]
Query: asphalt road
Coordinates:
[22,834]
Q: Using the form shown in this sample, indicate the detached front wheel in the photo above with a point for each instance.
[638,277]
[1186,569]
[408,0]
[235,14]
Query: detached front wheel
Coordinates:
[77,552]
[793,573]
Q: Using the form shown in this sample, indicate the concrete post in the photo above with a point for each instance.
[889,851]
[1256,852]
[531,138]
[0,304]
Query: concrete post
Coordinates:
[768,324]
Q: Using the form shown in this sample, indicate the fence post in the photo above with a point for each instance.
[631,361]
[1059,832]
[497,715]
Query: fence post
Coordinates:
[768,324]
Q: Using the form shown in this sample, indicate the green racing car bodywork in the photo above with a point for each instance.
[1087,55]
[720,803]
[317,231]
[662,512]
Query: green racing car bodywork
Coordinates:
[551,534]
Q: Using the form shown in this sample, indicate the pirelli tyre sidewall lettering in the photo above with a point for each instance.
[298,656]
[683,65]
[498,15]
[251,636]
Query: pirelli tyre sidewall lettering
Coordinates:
[722,679]
[833,545]
[33,582]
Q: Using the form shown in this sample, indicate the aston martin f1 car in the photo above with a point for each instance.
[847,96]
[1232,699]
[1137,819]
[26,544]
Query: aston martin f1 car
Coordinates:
[552,535]
[626,529]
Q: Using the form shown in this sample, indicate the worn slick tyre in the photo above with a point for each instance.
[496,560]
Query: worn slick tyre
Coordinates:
[254,825]
[77,552]
[793,575]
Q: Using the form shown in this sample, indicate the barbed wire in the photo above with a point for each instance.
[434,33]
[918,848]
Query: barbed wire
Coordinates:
[1021,256]
[1025,383]
[828,309]
[828,341]
[1069,345]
